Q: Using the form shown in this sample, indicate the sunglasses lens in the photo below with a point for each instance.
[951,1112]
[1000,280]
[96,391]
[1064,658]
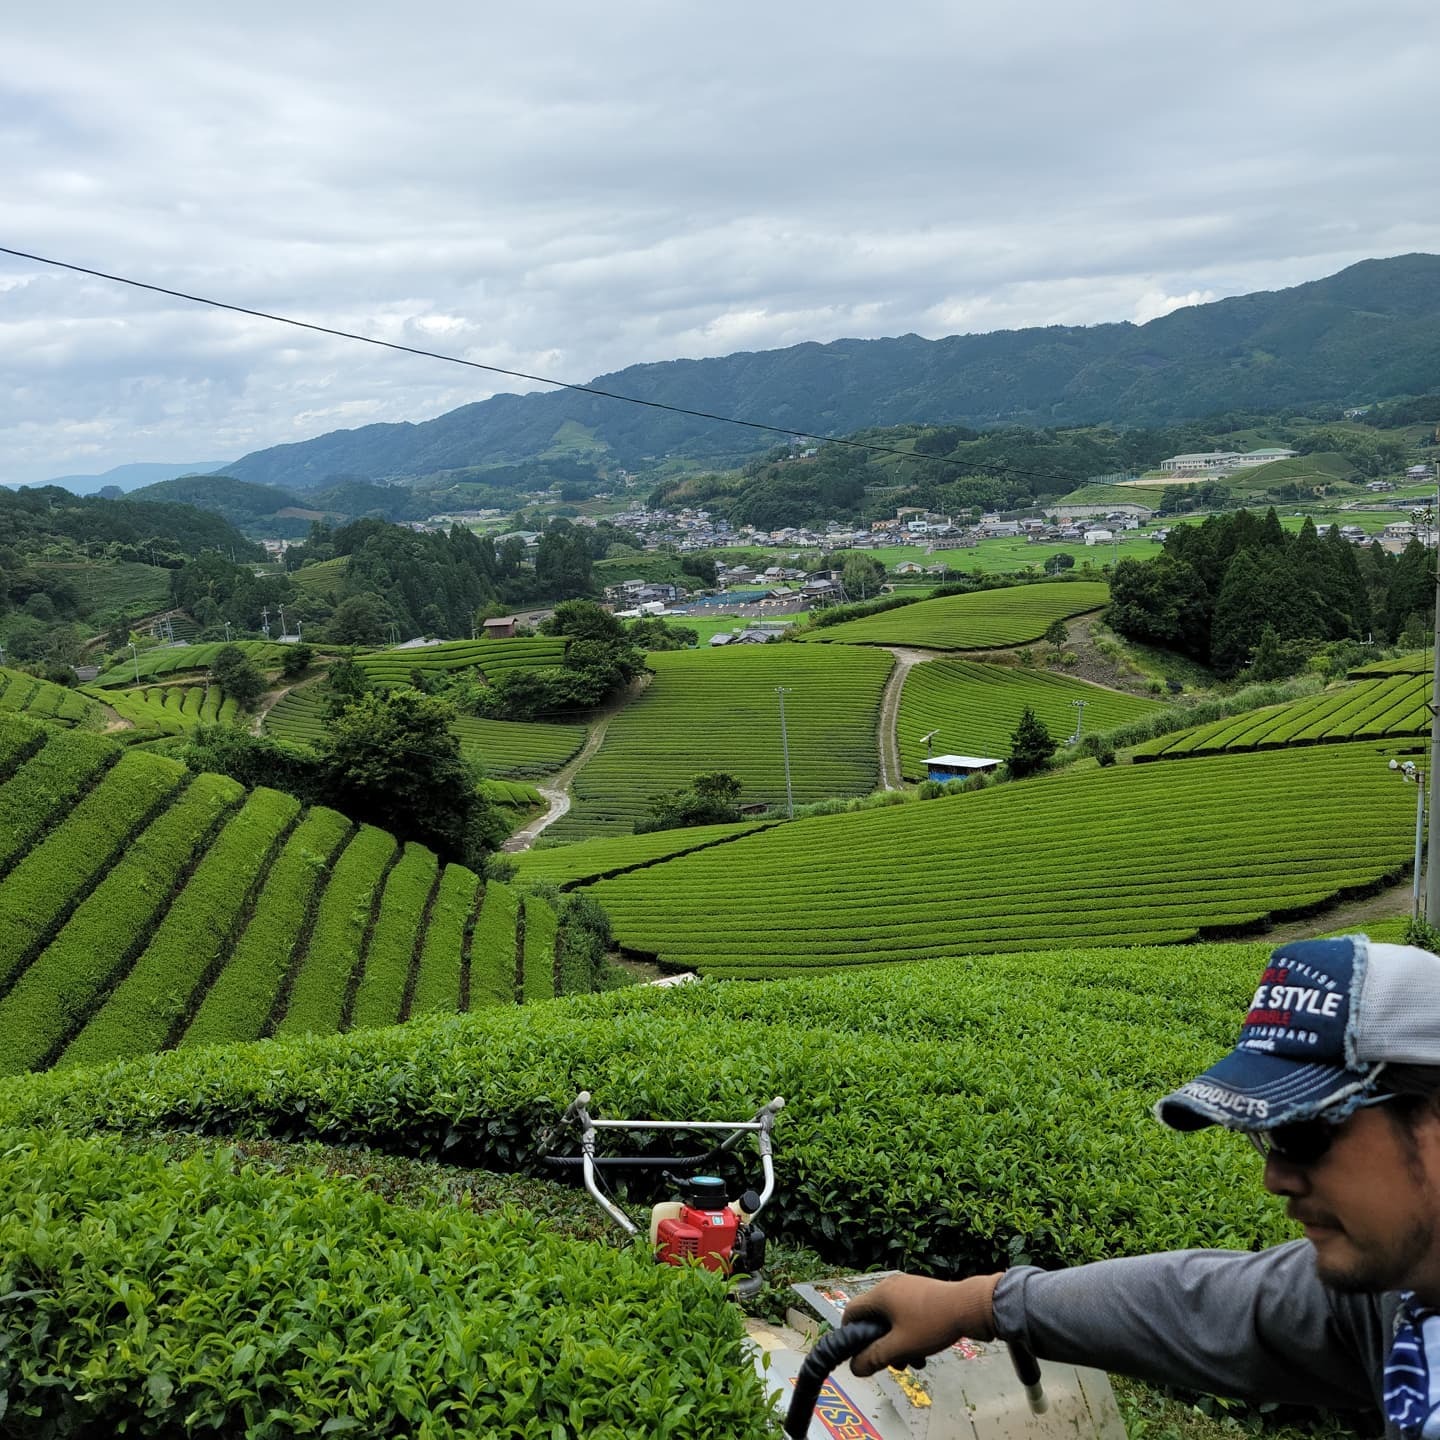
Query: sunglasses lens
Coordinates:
[1302,1143]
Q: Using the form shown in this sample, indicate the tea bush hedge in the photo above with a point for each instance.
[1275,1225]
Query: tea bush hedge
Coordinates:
[491,657]
[538,968]
[946,1116]
[238,1005]
[567,865]
[206,1297]
[494,957]
[1136,854]
[173,659]
[342,923]
[55,996]
[442,958]
[381,993]
[976,707]
[44,700]
[719,711]
[171,709]
[157,998]
[43,887]
[1391,706]
[982,620]
[48,783]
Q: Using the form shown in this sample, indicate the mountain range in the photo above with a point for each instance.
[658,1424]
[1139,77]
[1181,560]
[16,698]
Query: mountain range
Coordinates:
[125,477]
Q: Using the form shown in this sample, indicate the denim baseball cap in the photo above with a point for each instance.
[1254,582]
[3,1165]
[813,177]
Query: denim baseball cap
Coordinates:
[1327,1019]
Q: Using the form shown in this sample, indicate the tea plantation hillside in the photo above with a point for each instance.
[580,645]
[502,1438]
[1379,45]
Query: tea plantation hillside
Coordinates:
[176,659]
[1390,706]
[22,694]
[491,657]
[983,620]
[975,707]
[143,907]
[158,710]
[1133,855]
[720,711]
[500,747]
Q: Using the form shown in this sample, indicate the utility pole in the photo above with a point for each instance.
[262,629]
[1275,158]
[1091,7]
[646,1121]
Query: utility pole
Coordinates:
[782,691]
[1079,720]
[135,655]
[227,632]
[265,621]
[282,622]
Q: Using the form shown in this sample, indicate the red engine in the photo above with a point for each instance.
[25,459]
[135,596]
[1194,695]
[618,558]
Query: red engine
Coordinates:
[698,1234]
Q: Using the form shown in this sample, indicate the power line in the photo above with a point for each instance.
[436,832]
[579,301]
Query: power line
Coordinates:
[985,469]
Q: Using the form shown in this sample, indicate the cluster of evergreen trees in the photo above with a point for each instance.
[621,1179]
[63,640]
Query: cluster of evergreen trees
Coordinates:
[1218,587]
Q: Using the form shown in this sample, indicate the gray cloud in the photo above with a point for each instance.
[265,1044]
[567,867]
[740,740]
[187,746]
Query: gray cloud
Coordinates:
[575,188]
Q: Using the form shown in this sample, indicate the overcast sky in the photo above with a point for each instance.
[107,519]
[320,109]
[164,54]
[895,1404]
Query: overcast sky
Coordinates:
[582,186]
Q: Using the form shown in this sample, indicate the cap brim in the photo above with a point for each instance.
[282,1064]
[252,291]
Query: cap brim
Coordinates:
[1249,1090]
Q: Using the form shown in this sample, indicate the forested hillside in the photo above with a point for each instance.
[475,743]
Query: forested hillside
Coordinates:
[1368,332]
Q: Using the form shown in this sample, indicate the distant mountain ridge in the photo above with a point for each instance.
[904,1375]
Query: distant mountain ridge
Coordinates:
[125,477]
[1367,332]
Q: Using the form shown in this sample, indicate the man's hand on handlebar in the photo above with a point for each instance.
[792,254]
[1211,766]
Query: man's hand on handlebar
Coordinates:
[925,1317]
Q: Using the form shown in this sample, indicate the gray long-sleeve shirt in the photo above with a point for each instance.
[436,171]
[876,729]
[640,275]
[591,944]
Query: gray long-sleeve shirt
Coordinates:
[1260,1327]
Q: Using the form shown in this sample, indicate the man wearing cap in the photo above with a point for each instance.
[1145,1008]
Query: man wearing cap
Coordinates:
[1336,1082]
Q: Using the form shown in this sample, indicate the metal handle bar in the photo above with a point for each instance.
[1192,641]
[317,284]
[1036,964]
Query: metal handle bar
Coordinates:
[637,1162]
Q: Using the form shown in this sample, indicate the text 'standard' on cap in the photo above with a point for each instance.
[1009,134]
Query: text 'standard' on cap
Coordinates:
[1327,1018]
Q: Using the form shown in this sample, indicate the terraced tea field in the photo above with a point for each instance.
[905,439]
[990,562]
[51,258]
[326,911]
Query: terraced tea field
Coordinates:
[1389,707]
[984,620]
[1130,855]
[976,706]
[170,709]
[143,907]
[121,587]
[719,711]
[589,860]
[1418,662]
[504,748]
[493,657]
[173,659]
[23,694]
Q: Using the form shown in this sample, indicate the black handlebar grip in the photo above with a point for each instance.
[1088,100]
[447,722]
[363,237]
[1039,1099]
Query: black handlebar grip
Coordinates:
[835,1348]
[1027,1371]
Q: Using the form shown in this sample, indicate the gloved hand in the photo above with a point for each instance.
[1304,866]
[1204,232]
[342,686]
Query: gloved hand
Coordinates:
[925,1317]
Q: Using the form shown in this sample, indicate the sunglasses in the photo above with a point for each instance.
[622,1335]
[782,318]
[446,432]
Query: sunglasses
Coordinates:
[1305,1142]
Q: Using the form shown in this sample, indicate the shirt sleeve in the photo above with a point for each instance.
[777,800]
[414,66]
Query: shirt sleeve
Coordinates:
[1256,1326]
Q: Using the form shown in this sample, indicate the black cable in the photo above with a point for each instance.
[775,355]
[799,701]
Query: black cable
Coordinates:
[984,469]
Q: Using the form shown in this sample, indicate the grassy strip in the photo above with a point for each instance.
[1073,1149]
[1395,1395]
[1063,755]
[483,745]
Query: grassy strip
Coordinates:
[492,948]
[58,873]
[381,991]
[195,935]
[317,998]
[437,986]
[46,785]
[193,1299]
[238,1004]
[55,996]
[538,969]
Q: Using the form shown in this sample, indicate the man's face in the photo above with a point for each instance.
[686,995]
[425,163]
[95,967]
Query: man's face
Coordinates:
[1371,1204]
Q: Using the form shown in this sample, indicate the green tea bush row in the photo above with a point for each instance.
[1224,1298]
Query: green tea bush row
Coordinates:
[976,707]
[719,711]
[193,940]
[538,969]
[493,954]
[381,992]
[437,986]
[238,1005]
[981,620]
[1391,706]
[567,865]
[19,741]
[42,887]
[172,709]
[949,1116]
[298,718]
[514,747]
[48,784]
[492,657]
[317,998]
[199,1296]
[54,998]
[1149,853]
[173,659]
[44,700]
